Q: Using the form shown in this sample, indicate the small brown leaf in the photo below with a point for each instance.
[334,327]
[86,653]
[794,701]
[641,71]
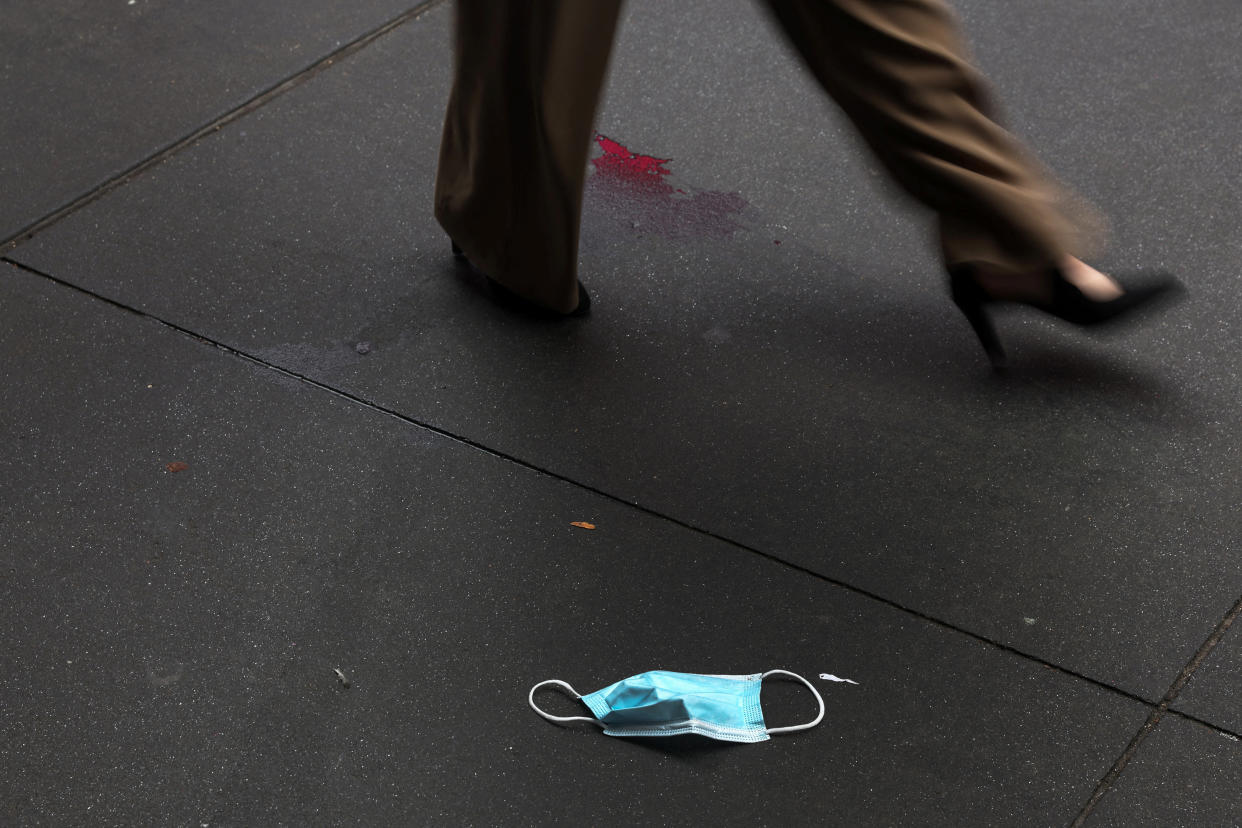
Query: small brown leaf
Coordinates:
[582,524]
[177,466]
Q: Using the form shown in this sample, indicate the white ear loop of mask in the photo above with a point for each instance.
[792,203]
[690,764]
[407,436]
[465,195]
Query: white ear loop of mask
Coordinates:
[549,716]
[810,687]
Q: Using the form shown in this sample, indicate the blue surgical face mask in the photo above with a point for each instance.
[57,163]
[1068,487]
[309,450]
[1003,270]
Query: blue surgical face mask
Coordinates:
[660,703]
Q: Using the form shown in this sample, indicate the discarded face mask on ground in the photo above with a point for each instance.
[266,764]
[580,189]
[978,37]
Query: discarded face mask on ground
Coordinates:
[663,703]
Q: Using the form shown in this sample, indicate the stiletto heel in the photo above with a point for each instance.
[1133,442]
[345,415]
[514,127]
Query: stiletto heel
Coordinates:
[1139,291]
[970,300]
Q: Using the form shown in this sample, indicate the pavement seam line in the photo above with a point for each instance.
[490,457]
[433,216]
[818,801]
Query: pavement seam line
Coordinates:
[1157,714]
[252,103]
[498,454]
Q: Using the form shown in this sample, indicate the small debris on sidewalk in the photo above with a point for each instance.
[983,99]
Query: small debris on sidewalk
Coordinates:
[176,466]
[831,677]
[341,676]
[582,524]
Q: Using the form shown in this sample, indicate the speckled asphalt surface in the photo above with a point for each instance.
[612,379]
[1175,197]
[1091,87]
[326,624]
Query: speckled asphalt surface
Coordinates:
[263,437]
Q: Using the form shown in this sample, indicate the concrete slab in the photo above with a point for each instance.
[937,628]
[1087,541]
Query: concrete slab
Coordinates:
[1183,774]
[775,362]
[172,632]
[91,89]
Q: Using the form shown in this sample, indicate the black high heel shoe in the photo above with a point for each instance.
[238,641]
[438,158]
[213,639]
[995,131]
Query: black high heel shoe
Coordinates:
[1142,290]
[503,296]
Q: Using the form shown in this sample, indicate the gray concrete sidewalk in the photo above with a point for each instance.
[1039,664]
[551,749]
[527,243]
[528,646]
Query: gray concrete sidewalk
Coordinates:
[261,428]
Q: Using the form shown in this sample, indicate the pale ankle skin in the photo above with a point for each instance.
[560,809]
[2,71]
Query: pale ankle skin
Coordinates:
[1035,287]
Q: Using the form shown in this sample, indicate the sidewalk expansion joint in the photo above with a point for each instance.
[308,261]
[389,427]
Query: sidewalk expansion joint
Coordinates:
[256,101]
[1159,711]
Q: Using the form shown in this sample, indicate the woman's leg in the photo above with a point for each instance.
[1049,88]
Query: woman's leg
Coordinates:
[900,70]
[527,78]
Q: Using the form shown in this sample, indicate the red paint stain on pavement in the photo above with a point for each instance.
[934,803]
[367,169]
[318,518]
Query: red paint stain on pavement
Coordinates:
[636,189]
[618,162]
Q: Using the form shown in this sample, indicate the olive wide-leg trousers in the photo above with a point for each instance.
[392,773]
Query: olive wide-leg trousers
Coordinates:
[527,80]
